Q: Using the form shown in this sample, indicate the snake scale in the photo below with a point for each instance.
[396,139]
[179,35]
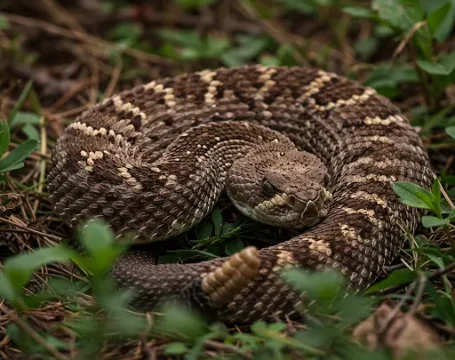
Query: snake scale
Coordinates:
[153,160]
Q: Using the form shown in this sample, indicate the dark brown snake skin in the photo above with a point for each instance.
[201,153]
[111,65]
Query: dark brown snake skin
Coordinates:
[110,164]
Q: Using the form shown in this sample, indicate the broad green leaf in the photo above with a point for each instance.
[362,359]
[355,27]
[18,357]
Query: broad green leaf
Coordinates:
[353,308]
[445,66]
[433,68]
[413,195]
[205,229]
[432,221]
[392,12]
[391,76]
[7,290]
[18,155]
[217,219]
[322,286]
[99,242]
[436,192]
[435,19]
[180,323]
[12,167]
[398,277]
[19,269]
[4,24]
[194,4]
[249,47]
[4,137]
[24,118]
[227,228]
[446,24]
[175,348]
[359,12]
[451,131]
[31,132]
[234,245]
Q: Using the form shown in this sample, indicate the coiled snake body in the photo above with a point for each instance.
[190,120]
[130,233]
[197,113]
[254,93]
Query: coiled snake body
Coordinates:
[153,160]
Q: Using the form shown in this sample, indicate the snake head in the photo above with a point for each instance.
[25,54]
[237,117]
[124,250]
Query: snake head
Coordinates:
[285,188]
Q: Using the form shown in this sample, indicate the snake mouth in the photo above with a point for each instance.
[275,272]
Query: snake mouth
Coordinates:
[311,211]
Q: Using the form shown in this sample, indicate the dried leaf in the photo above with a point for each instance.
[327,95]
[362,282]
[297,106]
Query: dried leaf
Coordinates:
[402,333]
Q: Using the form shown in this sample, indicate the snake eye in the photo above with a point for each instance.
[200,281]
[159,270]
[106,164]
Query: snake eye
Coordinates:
[268,188]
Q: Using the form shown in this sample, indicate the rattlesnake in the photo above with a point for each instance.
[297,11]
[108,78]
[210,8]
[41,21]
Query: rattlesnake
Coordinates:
[153,160]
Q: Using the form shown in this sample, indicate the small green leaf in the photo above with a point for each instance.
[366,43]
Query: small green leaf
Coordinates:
[321,286]
[180,323]
[4,24]
[398,277]
[435,19]
[24,117]
[21,100]
[432,68]
[99,242]
[395,14]
[413,195]
[233,246]
[4,137]
[359,12]
[432,221]
[227,228]
[175,348]
[19,269]
[205,229]
[217,219]
[436,192]
[451,131]
[194,4]
[444,67]
[7,290]
[249,47]
[18,155]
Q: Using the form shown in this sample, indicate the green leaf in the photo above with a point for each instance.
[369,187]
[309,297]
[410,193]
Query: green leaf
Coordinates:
[320,286]
[432,221]
[205,229]
[391,76]
[413,195]
[12,167]
[24,117]
[175,348]
[398,277]
[249,47]
[31,132]
[233,246]
[451,131]
[19,269]
[194,4]
[353,308]
[432,68]
[21,100]
[4,23]
[180,323]
[217,219]
[436,192]
[394,13]
[18,155]
[444,67]
[7,290]
[99,242]
[359,12]
[4,137]
[435,20]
